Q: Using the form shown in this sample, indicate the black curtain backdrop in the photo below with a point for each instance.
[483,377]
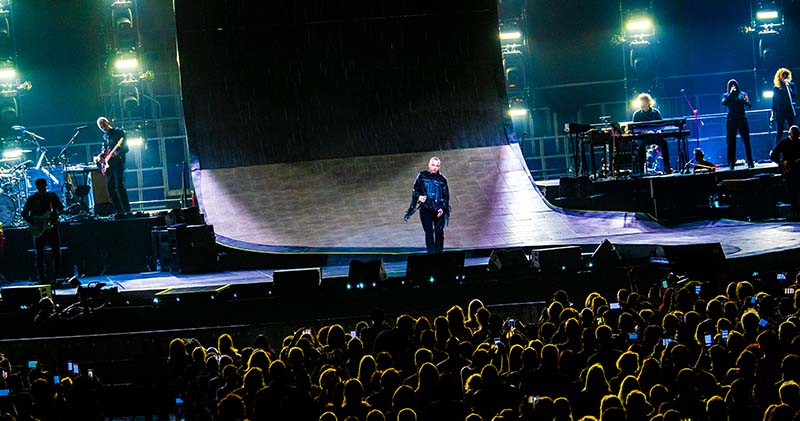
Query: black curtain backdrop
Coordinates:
[287,82]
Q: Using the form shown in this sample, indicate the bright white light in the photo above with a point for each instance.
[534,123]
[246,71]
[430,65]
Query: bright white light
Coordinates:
[16,153]
[8,74]
[517,112]
[767,94]
[135,141]
[639,25]
[505,36]
[129,63]
[767,15]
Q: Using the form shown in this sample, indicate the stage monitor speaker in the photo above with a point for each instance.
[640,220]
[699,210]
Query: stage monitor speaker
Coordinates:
[574,187]
[606,255]
[193,248]
[707,261]
[556,259]
[188,216]
[296,283]
[509,260]
[436,268]
[194,295]
[369,272]
[100,196]
[25,297]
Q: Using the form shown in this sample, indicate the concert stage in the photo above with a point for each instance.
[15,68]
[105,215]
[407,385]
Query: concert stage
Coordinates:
[499,213]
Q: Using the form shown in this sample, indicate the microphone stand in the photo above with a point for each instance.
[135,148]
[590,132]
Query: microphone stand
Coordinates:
[696,119]
[72,139]
[697,124]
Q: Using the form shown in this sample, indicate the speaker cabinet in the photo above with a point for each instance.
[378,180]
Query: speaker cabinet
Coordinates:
[372,271]
[706,261]
[556,259]
[509,260]
[100,196]
[296,283]
[25,297]
[194,248]
[436,268]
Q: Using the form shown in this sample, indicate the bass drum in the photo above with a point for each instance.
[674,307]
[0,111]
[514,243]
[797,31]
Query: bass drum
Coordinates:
[8,210]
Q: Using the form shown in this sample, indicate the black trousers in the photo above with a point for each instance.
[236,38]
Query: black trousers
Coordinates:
[53,239]
[115,184]
[434,230]
[783,122]
[741,126]
[641,145]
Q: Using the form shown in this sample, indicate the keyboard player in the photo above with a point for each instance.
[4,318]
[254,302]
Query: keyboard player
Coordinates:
[647,112]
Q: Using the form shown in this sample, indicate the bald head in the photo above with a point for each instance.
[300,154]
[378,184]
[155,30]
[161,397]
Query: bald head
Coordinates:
[103,124]
[434,164]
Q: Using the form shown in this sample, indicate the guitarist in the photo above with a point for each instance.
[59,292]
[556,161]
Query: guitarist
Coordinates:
[115,173]
[39,204]
[787,155]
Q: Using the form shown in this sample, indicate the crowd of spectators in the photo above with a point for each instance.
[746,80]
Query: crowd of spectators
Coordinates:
[685,351]
[679,351]
[31,391]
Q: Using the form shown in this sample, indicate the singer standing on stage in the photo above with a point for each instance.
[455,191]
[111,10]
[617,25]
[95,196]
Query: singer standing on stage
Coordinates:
[115,174]
[736,99]
[783,102]
[431,196]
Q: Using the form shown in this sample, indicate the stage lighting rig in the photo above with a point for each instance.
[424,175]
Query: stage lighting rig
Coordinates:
[639,28]
[767,19]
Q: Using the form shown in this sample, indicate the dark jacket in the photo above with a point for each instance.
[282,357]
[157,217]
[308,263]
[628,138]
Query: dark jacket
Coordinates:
[40,203]
[642,115]
[110,140]
[434,188]
[735,101]
[782,104]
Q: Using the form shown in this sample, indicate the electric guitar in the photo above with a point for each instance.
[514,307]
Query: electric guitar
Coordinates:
[103,158]
[40,224]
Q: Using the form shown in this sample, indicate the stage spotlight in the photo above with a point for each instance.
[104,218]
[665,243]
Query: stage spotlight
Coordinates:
[8,74]
[129,95]
[8,109]
[135,140]
[767,94]
[641,58]
[126,64]
[5,25]
[767,15]
[639,26]
[122,16]
[517,112]
[510,36]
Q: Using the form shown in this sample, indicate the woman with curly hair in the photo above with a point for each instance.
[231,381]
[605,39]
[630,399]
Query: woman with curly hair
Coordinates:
[783,102]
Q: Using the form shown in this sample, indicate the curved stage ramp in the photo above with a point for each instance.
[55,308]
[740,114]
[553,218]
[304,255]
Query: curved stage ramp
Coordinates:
[357,205]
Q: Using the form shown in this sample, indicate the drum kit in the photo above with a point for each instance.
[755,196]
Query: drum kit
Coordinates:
[23,161]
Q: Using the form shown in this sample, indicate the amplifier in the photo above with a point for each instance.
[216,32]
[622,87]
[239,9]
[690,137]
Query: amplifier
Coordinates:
[25,297]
